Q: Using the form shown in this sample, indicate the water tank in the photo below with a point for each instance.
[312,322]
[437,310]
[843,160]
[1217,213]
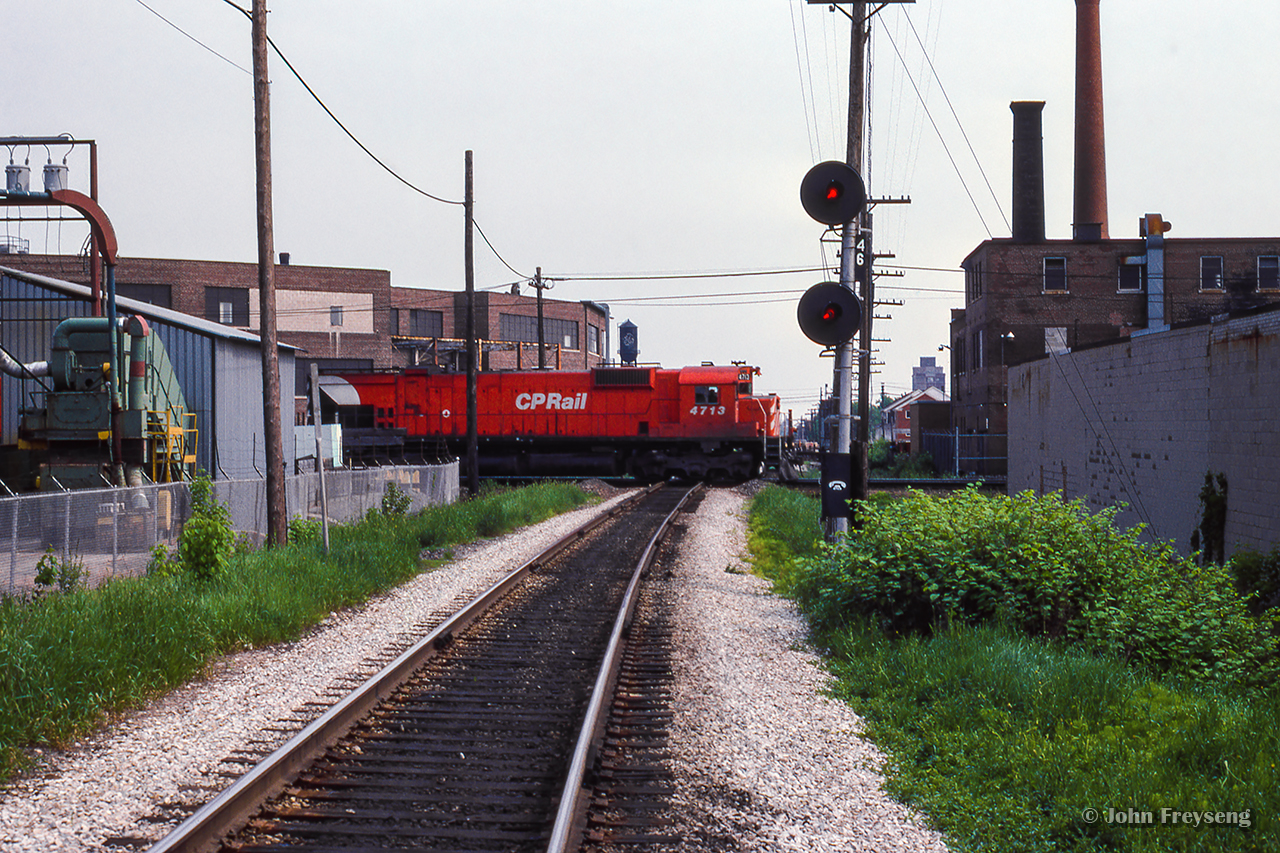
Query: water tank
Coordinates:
[628,343]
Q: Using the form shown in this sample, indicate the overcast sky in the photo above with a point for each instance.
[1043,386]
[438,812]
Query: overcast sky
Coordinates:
[616,138]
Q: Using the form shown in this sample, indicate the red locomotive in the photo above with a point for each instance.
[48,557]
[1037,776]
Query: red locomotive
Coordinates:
[647,422]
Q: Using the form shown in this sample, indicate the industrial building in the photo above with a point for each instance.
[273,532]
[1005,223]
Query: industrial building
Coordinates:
[1027,296]
[219,368]
[354,318]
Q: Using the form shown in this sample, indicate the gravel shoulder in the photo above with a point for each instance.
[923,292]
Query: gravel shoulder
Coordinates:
[763,761]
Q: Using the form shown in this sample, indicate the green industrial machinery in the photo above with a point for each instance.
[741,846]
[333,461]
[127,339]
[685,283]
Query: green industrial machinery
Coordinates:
[95,430]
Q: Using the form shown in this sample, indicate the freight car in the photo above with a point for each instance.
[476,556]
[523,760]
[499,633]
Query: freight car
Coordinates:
[646,422]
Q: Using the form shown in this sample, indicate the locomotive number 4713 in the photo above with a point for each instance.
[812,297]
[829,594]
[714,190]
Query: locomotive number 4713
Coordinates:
[707,410]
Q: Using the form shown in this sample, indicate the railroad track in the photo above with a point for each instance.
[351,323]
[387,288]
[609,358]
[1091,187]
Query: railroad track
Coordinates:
[485,735]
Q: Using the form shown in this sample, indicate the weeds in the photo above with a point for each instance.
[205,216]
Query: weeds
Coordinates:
[1007,723]
[68,660]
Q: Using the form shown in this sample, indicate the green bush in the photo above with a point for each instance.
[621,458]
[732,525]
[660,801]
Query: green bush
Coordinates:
[884,461]
[207,540]
[63,572]
[305,531]
[1257,578]
[394,500]
[1043,566]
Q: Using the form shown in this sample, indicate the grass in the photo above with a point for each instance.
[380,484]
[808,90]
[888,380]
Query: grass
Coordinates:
[69,660]
[1013,743]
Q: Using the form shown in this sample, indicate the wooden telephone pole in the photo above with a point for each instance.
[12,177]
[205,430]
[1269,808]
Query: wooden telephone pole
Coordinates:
[277,513]
[473,356]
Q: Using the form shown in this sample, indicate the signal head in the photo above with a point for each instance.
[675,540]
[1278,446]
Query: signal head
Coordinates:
[833,192]
[829,313]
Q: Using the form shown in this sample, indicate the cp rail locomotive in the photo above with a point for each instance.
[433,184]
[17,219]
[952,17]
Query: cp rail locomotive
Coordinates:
[646,422]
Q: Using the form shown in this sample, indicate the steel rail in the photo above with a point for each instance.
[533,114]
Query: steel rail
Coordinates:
[564,832]
[232,808]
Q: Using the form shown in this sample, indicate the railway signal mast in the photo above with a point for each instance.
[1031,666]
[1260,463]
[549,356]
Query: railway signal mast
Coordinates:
[855,259]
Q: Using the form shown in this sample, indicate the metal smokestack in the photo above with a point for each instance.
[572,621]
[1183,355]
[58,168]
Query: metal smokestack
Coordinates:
[1090,211]
[1028,172]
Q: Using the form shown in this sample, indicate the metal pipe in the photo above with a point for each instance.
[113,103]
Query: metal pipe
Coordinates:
[23,371]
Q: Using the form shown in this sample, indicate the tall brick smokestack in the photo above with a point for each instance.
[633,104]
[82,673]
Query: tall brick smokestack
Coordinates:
[1028,172]
[1090,212]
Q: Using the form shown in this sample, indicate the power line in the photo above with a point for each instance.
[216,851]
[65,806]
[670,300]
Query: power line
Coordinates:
[392,172]
[938,131]
[230,62]
[954,115]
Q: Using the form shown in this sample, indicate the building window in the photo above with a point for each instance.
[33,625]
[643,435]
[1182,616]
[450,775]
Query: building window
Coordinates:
[593,339]
[1055,275]
[522,328]
[1055,339]
[227,305]
[974,276]
[394,320]
[979,357]
[335,315]
[1133,278]
[156,294]
[1269,272]
[426,324]
[957,356]
[1211,272]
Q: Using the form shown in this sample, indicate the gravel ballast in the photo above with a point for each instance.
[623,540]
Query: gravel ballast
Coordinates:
[762,760]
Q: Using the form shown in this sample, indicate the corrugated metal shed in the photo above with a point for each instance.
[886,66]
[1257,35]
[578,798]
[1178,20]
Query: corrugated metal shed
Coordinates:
[219,368]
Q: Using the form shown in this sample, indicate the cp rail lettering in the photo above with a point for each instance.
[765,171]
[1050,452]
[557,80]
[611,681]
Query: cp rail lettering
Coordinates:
[531,402]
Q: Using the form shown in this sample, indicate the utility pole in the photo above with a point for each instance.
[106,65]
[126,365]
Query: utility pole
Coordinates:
[542,344]
[473,421]
[277,520]
[855,265]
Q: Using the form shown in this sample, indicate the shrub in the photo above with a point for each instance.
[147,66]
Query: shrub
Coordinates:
[305,531]
[64,572]
[394,500]
[1257,578]
[206,543]
[1044,566]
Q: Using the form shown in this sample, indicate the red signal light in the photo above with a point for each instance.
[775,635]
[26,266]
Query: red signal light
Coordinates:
[833,193]
[829,313]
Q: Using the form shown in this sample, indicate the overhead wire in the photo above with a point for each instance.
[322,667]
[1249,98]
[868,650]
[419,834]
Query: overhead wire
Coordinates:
[390,171]
[947,149]
[230,62]
[956,116]
[801,66]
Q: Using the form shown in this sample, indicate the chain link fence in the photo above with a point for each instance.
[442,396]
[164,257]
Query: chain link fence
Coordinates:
[110,532]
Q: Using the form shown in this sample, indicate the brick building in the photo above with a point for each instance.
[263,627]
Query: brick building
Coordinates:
[1026,296]
[355,318]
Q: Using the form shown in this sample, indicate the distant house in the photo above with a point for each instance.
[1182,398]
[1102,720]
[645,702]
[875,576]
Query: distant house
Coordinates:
[897,417]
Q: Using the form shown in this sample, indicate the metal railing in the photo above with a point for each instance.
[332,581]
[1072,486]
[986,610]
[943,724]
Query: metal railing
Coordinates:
[111,532]
[981,456]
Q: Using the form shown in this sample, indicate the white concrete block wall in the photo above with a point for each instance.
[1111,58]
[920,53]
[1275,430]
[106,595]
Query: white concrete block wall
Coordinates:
[1142,420]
